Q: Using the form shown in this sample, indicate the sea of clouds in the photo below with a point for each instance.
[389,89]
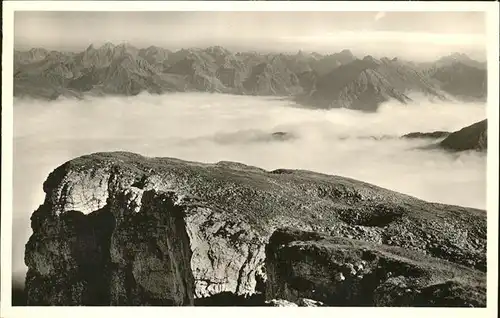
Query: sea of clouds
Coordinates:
[214,127]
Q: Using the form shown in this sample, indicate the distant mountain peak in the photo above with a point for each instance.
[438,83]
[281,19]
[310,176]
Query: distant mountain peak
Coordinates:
[154,48]
[217,49]
[125,45]
[126,48]
[107,46]
[459,56]
[386,60]
[455,57]
[370,58]
[38,50]
[346,52]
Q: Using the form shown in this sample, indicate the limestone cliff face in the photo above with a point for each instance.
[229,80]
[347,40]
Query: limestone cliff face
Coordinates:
[132,251]
[123,229]
[344,272]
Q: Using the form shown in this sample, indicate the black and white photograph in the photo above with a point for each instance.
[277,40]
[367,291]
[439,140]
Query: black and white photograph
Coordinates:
[294,158]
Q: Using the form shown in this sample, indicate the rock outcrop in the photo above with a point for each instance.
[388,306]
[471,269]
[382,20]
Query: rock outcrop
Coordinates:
[345,272]
[122,229]
[473,137]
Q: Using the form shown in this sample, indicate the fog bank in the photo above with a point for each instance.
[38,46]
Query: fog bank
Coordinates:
[213,127]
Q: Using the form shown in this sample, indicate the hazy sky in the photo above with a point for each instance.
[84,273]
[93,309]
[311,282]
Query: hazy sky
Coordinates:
[411,34]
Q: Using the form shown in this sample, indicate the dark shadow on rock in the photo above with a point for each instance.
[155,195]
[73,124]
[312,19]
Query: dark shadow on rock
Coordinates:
[88,237]
[91,251]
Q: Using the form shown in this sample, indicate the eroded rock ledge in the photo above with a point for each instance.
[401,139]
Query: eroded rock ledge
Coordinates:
[339,271]
[123,229]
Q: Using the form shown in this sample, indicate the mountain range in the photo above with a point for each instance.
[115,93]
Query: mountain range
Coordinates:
[317,80]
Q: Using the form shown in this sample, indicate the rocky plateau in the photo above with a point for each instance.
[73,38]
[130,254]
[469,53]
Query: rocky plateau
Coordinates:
[119,228]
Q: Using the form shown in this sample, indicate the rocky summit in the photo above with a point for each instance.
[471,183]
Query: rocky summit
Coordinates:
[122,229]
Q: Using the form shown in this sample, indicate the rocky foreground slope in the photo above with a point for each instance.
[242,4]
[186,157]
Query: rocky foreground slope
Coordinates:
[338,271]
[123,229]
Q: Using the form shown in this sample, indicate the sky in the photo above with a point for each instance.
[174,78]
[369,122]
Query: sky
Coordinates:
[421,35]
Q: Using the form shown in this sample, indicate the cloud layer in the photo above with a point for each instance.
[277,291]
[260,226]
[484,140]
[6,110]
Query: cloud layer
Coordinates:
[212,127]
